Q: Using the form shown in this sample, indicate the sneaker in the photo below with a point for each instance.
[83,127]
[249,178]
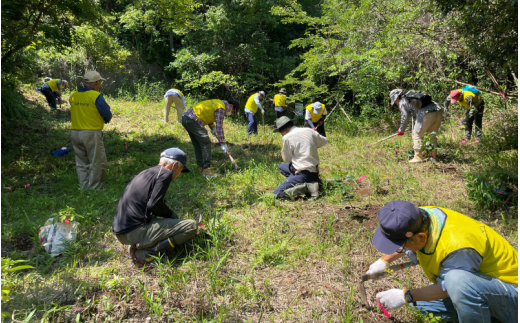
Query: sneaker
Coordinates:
[476,141]
[463,142]
[139,257]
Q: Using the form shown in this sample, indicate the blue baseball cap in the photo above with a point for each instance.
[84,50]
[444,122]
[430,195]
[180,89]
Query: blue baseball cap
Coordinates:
[178,155]
[398,222]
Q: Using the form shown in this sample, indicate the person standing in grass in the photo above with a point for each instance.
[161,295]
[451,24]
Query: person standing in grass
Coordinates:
[471,99]
[426,118]
[252,105]
[300,154]
[174,96]
[280,104]
[313,117]
[89,112]
[474,270]
[207,113]
[52,91]
[136,222]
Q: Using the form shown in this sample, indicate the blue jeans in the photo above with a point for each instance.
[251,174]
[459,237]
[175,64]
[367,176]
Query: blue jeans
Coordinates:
[474,297]
[252,127]
[304,176]
[49,95]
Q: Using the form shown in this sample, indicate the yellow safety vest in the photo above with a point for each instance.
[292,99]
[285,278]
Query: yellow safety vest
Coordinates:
[177,91]
[499,258]
[315,117]
[83,111]
[279,100]
[53,84]
[205,110]
[477,99]
[251,104]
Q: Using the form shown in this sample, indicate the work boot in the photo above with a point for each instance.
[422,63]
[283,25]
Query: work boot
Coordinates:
[296,190]
[313,189]
[463,142]
[146,256]
[208,172]
[418,158]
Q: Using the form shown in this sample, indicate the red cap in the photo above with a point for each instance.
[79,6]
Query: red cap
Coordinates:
[455,95]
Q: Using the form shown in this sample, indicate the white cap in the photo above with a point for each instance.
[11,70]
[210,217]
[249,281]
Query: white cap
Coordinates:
[262,92]
[316,106]
[92,76]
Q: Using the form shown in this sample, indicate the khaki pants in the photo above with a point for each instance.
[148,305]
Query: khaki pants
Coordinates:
[178,106]
[431,123]
[157,230]
[91,160]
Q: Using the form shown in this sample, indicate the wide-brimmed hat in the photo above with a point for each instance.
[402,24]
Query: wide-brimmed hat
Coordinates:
[178,155]
[394,94]
[398,222]
[282,121]
[282,90]
[455,96]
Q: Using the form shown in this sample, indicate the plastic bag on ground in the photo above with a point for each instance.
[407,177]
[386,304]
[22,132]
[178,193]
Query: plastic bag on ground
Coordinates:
[53,235]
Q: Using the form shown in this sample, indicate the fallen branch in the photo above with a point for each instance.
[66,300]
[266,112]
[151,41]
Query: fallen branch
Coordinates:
[510,96]
[328,115]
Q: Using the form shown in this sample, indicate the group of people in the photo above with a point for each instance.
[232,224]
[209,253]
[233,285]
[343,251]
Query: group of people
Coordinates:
[473,269]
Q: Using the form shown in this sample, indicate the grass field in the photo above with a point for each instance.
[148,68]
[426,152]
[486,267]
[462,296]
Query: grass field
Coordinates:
[263,260]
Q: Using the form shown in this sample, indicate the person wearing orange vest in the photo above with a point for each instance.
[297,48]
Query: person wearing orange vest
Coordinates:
[252,105]
[313,117]
[89,113]
[207,113]
[474,270]
[174,96]
[474,105]
[52,91]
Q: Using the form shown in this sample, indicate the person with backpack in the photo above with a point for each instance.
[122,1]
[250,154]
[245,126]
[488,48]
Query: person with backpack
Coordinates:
[426,118]
[471,99]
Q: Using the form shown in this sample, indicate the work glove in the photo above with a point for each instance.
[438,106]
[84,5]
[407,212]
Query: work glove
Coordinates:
[400,133]
[393,298]
[263,111]
[224,148]
[214,131]
[377,267]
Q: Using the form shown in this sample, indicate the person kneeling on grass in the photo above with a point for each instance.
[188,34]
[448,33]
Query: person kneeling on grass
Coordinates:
[300,153]
[473,268]
[136,223]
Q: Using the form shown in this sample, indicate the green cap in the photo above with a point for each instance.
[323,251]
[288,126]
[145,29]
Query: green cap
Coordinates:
[282,121]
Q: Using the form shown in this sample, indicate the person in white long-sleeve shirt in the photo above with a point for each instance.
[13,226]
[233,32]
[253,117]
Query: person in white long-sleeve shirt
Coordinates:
[300,154]
[252,105]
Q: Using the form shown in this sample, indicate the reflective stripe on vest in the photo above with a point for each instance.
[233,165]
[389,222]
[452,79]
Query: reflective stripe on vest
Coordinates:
[279,100]
[476,101]
[315,117]
[251,104]
[83,111]
[53,84]
[205,110]
[499,258]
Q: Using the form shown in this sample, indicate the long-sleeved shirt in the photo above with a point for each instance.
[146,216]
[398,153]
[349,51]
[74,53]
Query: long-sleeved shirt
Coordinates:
[172,92]
[257,101]
[143,199]
[308,116]
[413,108]
[101,104]
[219,121]
[469,100]
[300,148]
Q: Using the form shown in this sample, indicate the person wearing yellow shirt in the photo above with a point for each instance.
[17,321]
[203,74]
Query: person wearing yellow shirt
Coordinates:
[474,270]
[474,105]
[280,103]
[51,89]
[174,96]
[313,117]
[89,113]
[252,105]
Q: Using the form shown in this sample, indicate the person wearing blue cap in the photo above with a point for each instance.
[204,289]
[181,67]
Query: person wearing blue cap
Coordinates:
[136,221]
[252,105]
[474,270]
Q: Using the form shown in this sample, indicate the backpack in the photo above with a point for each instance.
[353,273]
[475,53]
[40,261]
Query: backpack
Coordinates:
[425,99]
[471,89]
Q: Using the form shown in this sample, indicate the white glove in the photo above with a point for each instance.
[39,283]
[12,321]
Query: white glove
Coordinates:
[377,267]
[214,131]
[224,148]
[263,111]
[393,298]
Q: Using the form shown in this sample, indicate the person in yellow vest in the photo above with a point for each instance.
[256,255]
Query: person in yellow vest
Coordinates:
[52,91]
[174,96]
[473,269]
[89,112]
[474,105]
[280,104]
[313,117]
[207,113]
[252,105]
